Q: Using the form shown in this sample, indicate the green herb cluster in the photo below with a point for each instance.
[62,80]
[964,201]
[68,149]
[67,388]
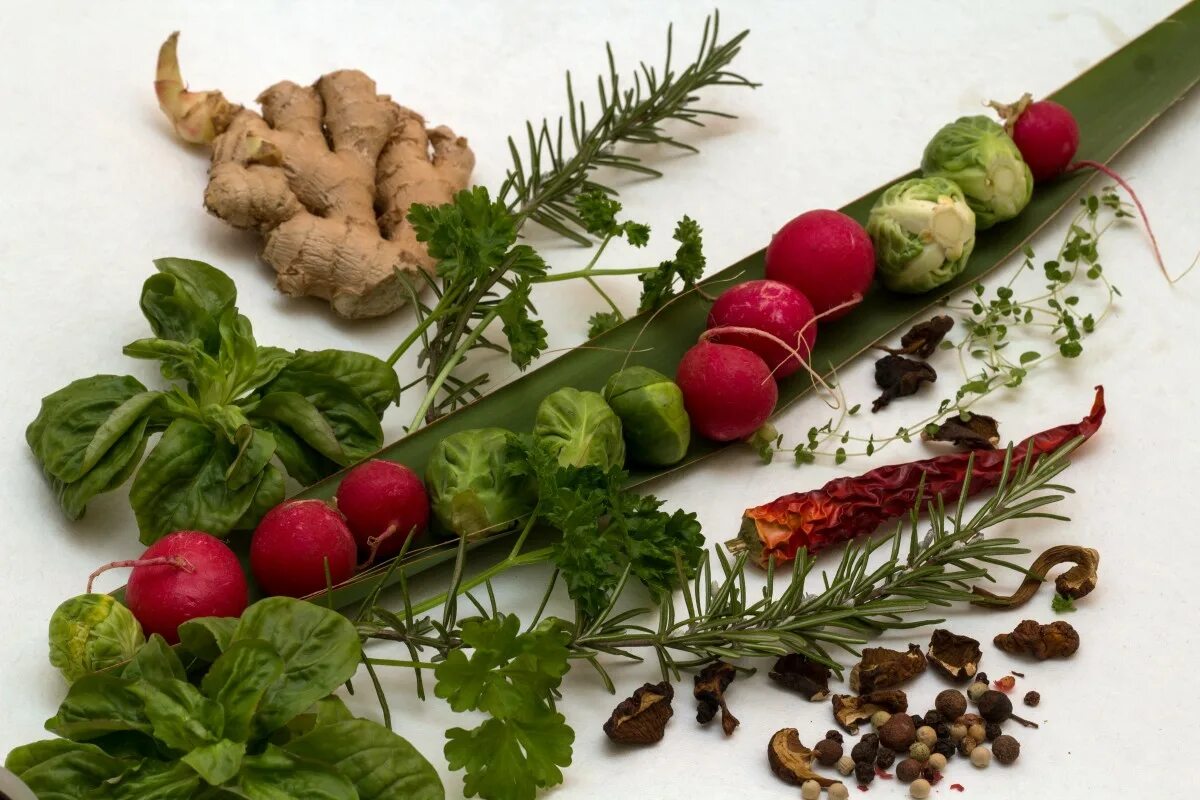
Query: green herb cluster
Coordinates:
[232,410]
[246,712]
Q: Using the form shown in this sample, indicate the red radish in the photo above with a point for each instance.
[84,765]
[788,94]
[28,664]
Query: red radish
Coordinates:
[384,503]
[184,575]
[771,307]
[292,544]
[727,390]
[827,256]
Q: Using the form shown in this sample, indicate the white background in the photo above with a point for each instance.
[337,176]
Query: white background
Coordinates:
[95,186]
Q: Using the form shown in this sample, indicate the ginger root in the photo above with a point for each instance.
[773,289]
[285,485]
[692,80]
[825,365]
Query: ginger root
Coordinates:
[326,174]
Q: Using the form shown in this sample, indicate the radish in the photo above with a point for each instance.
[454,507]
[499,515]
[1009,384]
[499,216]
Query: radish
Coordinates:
[293,543]
[184,575]
[727,390]
[772,307]
[827,256]
[384,503]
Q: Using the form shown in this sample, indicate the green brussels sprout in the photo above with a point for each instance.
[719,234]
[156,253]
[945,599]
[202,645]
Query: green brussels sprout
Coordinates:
[923,231]
[580,429]
[471,488]
[654,421]
[983,160]
[91,632]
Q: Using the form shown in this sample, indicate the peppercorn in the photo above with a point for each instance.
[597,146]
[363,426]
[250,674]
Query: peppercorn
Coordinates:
[932,717]
[1006,749]
[992,729]
[885,758]
[864,772]
[845,765]
[977,690]
[942,730]
[919,751]
[937,761]
[879,719]
[898,733]
[926,735]
[966,745]
[1032,698]
[951,704]
[977,732]
[917,720]
[981,757]
[944,747]
[920,789]
[969,719]
[810,790]
[957,732]
[866,749]
[908,770]
[827,752]
[994,706]
[838,791]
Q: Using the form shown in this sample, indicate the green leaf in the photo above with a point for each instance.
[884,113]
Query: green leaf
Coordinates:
[369,378]
[320,651]
[218,762]
[511,759]
[238,680]
[526,336]
[269,362]
[110,472]
[58,769]
[270,493]
[80,423]
[603,321]
[207,637]
[152,780]
[380,764]
[687,268]
[182,485]
[276,774]
[155,661]
[186,299]
[238,356]
[303,437]
[1062,604]
[255,448]
[468,236]
[598,211]
[182,717]
[96,705]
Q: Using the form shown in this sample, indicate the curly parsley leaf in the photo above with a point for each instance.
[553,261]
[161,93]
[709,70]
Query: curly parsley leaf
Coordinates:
[469,236]
[603,321]
[526,335]
[1062,604]
[686,268]
[599,214]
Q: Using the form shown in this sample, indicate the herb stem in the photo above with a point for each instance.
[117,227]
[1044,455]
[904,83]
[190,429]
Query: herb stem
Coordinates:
[522,560]
[448,367]
[592,273]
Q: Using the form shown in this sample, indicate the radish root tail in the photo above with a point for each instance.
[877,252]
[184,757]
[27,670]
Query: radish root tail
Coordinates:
[179,562]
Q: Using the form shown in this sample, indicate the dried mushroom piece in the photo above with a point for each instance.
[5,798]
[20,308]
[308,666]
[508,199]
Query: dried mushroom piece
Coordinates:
[801,674]
[1077,582]
[923,338]
[791,761]
[899,377]
[851,711]
[709,690]
[955,657]
[1056,640]
[881,668]
[642,718]
[968,431]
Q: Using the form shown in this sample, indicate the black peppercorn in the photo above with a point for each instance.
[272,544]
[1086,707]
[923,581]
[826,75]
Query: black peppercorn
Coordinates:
[864,772]
[865,751]
[945,747]
[992,729]
[933,717]
[1032,698]
[885,758]
[917,720]
[942,730]
[995,706]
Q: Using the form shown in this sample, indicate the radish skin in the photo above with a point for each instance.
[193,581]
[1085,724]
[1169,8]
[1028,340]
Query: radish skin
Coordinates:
[384,503]
[293,544]
[774,308]
[825,254]
[728,391]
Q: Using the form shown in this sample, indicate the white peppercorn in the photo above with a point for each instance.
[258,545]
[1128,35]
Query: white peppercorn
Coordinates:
[937,761]
[919,789]
[838,791]
[926,735]
[981,757]
[810,790]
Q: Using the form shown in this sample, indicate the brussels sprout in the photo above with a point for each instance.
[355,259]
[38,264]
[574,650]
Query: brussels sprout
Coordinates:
[979,156]
[655,423]
[471,488]
[923,232]
[580,428]
[91,632]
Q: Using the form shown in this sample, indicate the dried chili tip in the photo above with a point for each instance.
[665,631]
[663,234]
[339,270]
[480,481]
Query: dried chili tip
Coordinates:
[1006,683]
[709,691]
[851,711]
[642,718]
[1029,638]
[791,761]
[922,339]
[954,656]
[957,787]
[880,772]
[801,674]
[881,668]
[1077,582]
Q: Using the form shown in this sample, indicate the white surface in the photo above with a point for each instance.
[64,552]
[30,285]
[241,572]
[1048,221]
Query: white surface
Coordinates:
[95,187]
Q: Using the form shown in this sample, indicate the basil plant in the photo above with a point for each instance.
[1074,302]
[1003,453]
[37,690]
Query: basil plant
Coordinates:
[232,415]
[977,154]
[923,232]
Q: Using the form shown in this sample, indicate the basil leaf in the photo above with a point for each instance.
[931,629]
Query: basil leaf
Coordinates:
[278,775]
[217,762]
[302,462]
[182,486]
[58,769]
[185,301]
[238,356]
[320,650]
[375,383]
[152,780]
[326,711]
[238,680]
[270,493]
[110,472]
[96,705]
[269,361]
[81,422]
[304,421]
[155,661]
[179,361]
[379,763]
[182,717]
[255,449]
[207,637]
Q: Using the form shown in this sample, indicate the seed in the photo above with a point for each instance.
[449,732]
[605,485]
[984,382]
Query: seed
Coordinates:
[1032,698]
[937,761]
[864,772]
[879,719]
[1006,749]
[981,757]
[977,732]
[977,690]
[810,790]
[957,732]
[951,704]
[845,765]
[993,730]
[920,789]
[919,751]
[926,735]
[908,770]
[967,745]
[827,752]
[838,791]
[885,758]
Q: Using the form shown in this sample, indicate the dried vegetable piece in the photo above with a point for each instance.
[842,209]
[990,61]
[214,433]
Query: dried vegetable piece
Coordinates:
[923,338]
[1077,582]
[1029,638]
[801,674]
[709,690]
[642,718]
[881,668]
[851,711]
[969,431]
[900,377]
[791,761]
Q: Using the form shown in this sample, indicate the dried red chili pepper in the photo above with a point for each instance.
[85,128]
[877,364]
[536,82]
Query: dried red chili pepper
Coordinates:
[848,507]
